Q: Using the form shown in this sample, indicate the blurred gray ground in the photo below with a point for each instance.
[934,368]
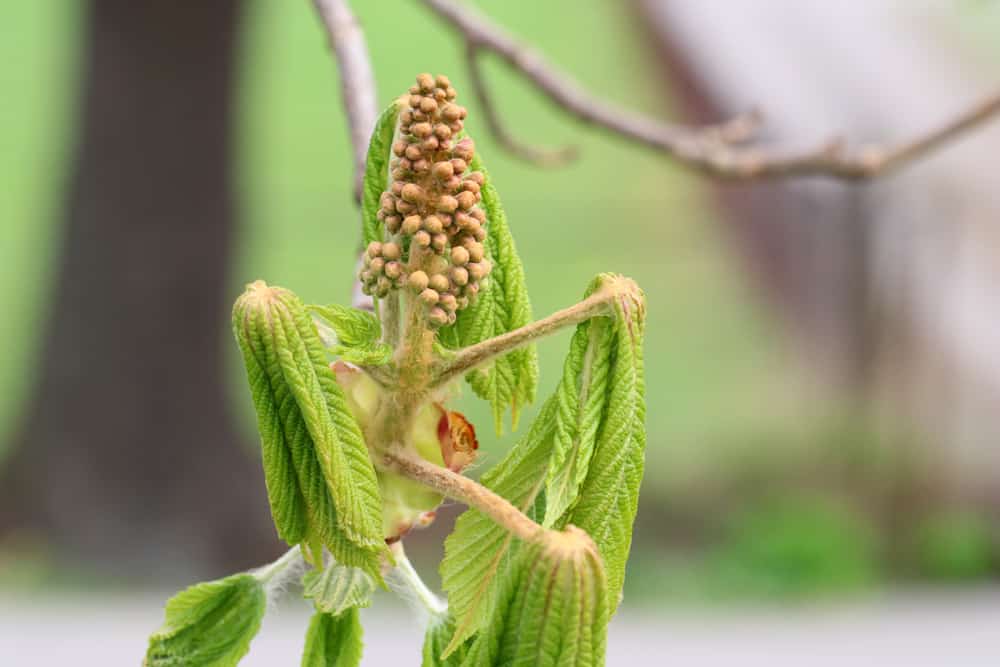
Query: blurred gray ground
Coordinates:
[899,629]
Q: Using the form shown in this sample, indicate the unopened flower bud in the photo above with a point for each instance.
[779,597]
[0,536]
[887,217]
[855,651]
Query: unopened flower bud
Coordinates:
[439,282]
[437,316]
[451,112]
[391,251]
[412,193]
[393,270]
[448,302]
[459,275]
[374,249]
[447,203]
[399,147]
[383,286]
[429,296]
[392,223]
[411,225]
[405,207]
[443,170]
[442,131]
[466,200]
[418,281]
[425,81]
[442,81]
[465,149]
[413,152]
[428,105]
[475,250]
[433,224]
[477,271]
[439,242]
[430,144]
[422,239]
[415,101]
[459,256]
[421,130]
[421,166]
[459,164]
[376,265]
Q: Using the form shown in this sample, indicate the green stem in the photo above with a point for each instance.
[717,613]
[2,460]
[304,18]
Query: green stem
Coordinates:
[268,572]
[418,590]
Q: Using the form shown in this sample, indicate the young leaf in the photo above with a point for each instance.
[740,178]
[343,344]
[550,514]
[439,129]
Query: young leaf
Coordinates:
[479,551]
[356,334]
[321,483]
[337,588]
[554,608]
[209,624]
[436,638]
[334,641]
[582,398]
[502,305]
[377,173]
[606,503]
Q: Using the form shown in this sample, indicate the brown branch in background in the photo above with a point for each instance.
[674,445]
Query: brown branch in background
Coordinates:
[357,88]
[539,156]
[719,151]
[357,81]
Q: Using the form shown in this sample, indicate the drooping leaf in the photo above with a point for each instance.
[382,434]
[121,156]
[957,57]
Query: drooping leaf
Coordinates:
[436,638]
[209,624]
[377,173]
[334,641]
[582,398]
[338,588]
[321,482]
[605,505]
[356,334]
[553,610]
[502,305]
[478,551]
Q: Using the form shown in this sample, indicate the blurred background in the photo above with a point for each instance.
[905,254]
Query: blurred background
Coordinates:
[823,474]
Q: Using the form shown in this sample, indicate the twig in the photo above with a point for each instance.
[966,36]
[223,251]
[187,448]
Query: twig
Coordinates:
[475,355]
[712,151]
[357,82]
[465,490]
[527,152]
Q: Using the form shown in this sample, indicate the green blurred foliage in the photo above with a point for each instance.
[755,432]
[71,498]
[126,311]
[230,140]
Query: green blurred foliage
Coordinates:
[954,546]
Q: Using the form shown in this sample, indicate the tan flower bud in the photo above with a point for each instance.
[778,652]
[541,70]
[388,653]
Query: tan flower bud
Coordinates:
[456,126]
[436,264]
[479,214]
[450,92]
[459,275]
[399,147]
[412,193]
[433,224]
[383,286]
[399,173]
[448,302]
[392,223]
[419,116]
[463,302]
[443,170]
[413,152]
[466,200]
[428,105]
[405,207]
[393,270]
[425,81]
[437,317]
[459,164]
[405,118]
[439,282]
[465,149]
[414,90]
[477,271]
[479,233]
[447,203]
[442,131]
[421,130]
[397,187]
[441,81]
[477,176]
[421,166]
[391,251]
[417,281]
[404,164]
[453,185]
[411,225]
[422,239]
[476,252]
[470,186]
[430,144]
[459,256]
[439,242]
[415,101]
[451,112]
[429,296]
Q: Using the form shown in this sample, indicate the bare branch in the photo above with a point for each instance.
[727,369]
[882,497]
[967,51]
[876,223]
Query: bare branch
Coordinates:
[711,150]
[357,82]
[524,151]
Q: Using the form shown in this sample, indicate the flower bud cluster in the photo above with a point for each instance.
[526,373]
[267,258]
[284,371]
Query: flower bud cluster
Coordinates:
[432,206]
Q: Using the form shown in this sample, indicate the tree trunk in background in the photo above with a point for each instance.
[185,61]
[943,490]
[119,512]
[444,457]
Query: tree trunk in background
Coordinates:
[128,459]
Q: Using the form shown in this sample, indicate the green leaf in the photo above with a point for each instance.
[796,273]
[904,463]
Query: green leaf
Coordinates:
[338,588]
[553,610]
[582,399]
[436,638]
[334,641]
[478,552]
[377,173]
[321,483]
[209,624]
[606,502]
[502,305]
[356,334]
